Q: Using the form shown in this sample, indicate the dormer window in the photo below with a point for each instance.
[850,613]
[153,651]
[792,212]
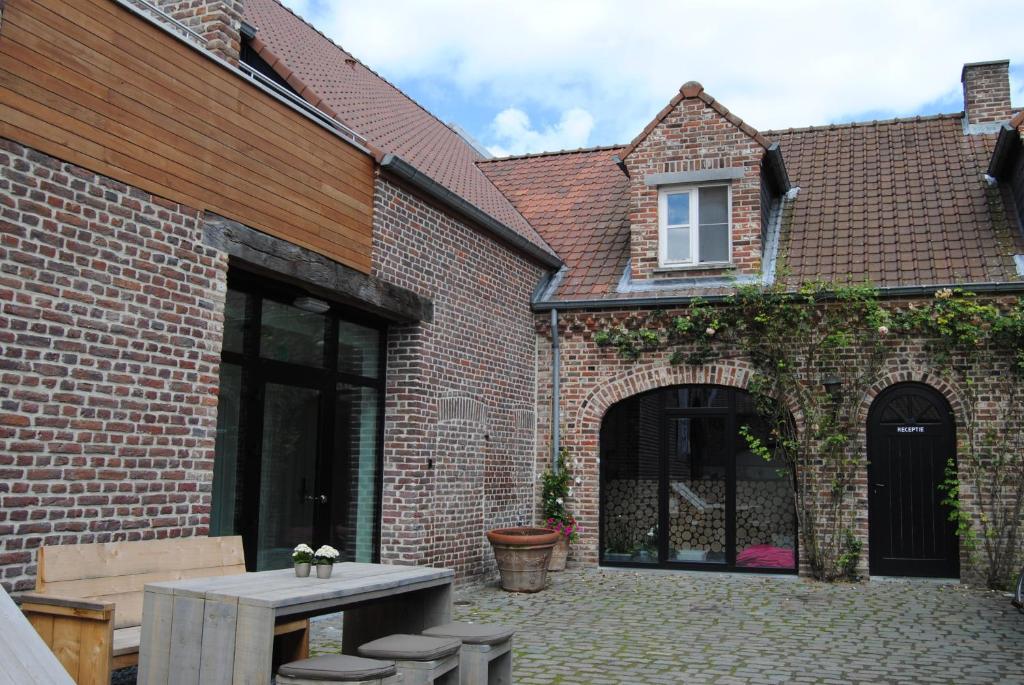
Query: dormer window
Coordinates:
[694,226]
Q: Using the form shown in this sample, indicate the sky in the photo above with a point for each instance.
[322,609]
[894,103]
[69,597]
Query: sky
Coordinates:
[526,76]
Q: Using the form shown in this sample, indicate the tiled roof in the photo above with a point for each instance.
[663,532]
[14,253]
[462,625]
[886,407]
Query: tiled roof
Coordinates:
[579,201]
[900,202]
[388,119]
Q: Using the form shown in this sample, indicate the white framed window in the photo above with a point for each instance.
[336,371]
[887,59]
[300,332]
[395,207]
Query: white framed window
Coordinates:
[694,225]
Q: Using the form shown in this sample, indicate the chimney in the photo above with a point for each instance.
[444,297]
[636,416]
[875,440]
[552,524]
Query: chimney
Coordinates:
[218,21]
[986,94]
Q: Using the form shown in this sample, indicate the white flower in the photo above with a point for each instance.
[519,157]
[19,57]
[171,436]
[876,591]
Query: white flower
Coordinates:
[576,462]
[570,492]
[883,330]
[559,500]
[709,331]
[303,548]
[327,552]
[943,294]
[579,480]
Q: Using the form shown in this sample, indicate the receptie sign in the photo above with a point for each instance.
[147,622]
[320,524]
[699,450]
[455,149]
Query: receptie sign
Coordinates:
[910,429]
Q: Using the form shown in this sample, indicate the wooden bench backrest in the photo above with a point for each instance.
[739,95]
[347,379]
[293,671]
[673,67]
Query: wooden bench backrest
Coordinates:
[117,571]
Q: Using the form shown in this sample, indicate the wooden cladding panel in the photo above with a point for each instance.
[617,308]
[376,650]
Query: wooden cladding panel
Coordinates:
[93,84]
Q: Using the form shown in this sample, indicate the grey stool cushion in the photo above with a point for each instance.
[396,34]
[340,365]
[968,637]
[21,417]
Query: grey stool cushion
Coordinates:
[337,667]
[410,647]
[472,633]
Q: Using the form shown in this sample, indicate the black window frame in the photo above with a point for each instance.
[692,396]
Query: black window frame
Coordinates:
[257,371]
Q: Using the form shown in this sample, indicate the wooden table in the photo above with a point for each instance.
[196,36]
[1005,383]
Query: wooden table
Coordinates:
[221,630]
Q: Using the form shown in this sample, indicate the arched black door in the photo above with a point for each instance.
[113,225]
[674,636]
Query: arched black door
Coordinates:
[911,436]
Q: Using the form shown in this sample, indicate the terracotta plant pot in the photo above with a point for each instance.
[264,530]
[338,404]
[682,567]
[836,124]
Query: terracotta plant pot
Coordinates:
[559,554]
[523,555]
[302,570]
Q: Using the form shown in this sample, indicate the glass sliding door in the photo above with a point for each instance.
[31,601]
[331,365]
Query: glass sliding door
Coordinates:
[299,425]
[680,488]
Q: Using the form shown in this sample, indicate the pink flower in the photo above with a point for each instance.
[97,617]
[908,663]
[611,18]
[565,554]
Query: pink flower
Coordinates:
[883,330]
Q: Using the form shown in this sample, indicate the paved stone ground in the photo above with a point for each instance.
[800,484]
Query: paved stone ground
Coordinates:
[617,628]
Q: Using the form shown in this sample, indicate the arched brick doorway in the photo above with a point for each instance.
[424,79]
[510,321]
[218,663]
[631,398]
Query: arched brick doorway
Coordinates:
[681,489]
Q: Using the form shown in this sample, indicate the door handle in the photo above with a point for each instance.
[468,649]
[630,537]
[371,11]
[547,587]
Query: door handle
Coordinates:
[322,499]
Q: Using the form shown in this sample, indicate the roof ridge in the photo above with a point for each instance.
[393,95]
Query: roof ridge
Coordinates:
[364,66]
[864,123]
[551,153]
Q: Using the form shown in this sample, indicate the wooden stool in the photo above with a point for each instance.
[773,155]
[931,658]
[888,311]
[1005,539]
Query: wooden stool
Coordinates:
[420,660]
[338,668]
[486,653]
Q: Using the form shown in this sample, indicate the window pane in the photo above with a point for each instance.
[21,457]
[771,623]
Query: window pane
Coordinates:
[714,243]
[714,224]
[630,449]
[358,349]
[699,396]
[234,320]
[714,205]
[290,334]
[677,245]
[678,208]
[354,516]
[288,479]
[698,457]
[226,508]
[765,513]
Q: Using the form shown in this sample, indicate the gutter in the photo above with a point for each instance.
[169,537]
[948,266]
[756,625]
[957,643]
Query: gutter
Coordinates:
[414,177]
[556,412]
[883,293]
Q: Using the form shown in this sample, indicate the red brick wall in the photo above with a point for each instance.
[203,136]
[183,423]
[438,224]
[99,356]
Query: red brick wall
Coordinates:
[459,422]
[110,336]
[986,92]
[695,137]
[594,378]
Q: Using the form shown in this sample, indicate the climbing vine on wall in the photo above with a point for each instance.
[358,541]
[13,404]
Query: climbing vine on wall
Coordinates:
[974,341]
[815,352]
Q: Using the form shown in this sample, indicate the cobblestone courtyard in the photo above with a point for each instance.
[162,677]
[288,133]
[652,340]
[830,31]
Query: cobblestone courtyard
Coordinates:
[617,627]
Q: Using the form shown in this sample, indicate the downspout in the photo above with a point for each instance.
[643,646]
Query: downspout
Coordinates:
[556,418]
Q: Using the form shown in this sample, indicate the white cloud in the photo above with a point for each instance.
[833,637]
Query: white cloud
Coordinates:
[775,64]
[513,134]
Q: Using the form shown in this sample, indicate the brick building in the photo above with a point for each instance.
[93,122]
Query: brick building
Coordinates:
[317,313]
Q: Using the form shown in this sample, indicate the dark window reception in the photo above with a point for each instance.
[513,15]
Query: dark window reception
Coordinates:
[299,425]
[679,487]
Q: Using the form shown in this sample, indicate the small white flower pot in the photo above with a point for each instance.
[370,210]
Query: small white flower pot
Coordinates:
[324,570]
[302,570]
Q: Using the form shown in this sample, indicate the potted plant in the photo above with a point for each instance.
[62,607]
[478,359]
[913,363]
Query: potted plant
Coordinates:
[555,490]
[523,554]
[568,533]
[302,556]
[324,559]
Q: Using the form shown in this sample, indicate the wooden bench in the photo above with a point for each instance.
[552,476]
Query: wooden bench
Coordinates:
[88,601]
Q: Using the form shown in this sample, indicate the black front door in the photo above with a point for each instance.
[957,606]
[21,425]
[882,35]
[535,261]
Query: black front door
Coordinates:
[911,437]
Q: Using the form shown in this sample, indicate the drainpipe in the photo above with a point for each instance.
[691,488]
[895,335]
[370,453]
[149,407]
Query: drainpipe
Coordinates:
[556,417]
